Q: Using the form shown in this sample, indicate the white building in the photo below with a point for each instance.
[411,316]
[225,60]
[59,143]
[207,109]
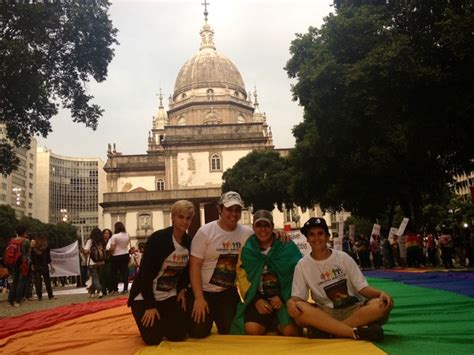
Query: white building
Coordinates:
[69,189]
[18,188]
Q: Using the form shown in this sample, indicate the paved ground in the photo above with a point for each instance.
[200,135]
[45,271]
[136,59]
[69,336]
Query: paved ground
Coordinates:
[64,296]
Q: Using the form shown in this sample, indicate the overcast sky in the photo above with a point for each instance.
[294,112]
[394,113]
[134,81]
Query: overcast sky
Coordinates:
[158,37]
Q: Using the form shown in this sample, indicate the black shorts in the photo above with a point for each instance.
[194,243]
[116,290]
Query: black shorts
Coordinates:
[269,321]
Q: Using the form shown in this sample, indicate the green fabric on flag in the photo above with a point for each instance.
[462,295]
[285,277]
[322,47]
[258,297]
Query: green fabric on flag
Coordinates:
[427,321]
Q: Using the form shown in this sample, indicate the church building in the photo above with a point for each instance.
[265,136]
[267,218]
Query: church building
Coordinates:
[212,122]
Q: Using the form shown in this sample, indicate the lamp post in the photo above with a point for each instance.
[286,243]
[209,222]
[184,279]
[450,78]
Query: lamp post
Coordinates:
[17,192]
[64,214]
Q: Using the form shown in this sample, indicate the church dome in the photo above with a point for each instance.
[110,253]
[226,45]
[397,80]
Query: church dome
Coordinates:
[208,69]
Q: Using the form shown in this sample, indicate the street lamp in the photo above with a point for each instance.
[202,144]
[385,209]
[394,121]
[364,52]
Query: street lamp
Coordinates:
[64,214]
[17,191]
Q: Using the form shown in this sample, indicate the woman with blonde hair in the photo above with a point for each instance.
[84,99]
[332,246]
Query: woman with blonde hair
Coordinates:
[157,296]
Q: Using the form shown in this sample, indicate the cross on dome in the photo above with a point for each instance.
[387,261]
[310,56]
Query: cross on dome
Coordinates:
[205,3]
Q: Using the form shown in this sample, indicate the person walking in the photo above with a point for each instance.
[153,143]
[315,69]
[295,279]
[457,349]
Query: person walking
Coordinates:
[15,258]
[118,248]
[41,263]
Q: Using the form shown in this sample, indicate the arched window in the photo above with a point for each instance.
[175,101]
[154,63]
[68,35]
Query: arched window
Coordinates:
[160,185]
[216,164]
[210,94]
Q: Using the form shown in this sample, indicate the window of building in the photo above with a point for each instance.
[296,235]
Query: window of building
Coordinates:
[291,215]
[210,94]
[216,162]
[160,185]
[144,221]
[246,217]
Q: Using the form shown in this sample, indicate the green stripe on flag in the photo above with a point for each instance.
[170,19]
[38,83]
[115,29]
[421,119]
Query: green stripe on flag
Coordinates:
[427,321]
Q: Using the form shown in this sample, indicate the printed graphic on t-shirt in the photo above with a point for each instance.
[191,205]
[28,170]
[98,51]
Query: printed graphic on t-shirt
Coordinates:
[270,285]
[169,279]
[224,273]
[175,264]
[338,294]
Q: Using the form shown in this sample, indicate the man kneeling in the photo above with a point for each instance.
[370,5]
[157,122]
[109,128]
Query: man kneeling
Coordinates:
[336,284]
[264,275]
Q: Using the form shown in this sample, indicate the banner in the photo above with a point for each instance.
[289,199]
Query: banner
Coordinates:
[402,227]
[375,230]
[393,231]
[300,241]
[65,261]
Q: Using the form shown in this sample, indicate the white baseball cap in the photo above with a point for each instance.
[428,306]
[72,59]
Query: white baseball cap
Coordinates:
[231,198]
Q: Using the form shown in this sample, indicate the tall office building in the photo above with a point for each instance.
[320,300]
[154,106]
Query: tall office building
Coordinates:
[69,190]
[18,188]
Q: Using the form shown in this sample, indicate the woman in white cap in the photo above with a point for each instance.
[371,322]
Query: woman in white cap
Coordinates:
[215,250]
[338,288]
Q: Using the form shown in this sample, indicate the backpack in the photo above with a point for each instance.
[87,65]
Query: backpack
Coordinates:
[13,252]
[97,253]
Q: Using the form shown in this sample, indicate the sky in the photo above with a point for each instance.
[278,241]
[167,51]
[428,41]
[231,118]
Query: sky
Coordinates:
[157,37]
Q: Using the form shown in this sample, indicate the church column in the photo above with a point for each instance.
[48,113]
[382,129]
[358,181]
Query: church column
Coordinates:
[166,217]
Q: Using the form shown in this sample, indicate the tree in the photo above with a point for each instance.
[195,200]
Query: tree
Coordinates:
[262,178]
[8,223]
[58,235]
[48,53]
[388,106]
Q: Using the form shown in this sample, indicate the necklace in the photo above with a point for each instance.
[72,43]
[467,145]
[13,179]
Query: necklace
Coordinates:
[321,263]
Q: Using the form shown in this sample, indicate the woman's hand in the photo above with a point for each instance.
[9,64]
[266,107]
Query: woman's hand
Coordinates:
[276,302]
[148,318]
[200,309]
[263,307]
[181,298]
[283,236]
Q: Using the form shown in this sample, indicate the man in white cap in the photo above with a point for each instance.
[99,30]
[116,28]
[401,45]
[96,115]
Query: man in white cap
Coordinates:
[215,251]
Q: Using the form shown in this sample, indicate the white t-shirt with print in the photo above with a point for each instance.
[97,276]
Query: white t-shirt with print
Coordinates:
[164,285]
[219,250]
[119,242]
[333,282]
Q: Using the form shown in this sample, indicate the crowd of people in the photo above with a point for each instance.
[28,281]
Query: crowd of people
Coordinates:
[109,259]
[250,281]
[106,260]
[29,263]
[411,250]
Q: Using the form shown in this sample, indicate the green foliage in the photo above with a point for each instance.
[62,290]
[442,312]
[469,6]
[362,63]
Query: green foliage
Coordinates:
[262,178]
[7,225]
[48,52]
[363,226]
[58,235]
[387,97]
